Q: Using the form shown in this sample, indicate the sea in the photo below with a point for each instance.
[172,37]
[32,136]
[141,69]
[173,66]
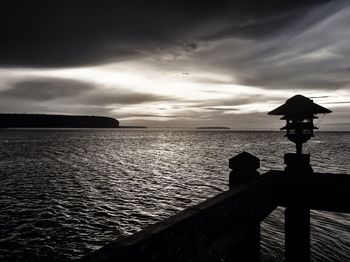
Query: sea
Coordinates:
[65,193]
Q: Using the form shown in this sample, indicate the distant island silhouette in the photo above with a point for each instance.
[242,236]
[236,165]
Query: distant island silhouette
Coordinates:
[56,121]
[132,126]
[213,127]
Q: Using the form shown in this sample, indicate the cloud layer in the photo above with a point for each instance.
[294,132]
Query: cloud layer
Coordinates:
[74,33]
[176,63]
[55,95]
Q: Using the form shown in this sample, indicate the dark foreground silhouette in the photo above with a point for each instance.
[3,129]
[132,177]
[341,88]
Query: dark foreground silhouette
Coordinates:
[56,121]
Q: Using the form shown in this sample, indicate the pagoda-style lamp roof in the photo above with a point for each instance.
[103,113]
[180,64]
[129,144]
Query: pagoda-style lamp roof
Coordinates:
[299,113]
[299,105]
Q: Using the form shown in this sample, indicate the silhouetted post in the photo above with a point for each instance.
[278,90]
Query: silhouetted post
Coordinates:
[299,113]
[297,213]
[244,168]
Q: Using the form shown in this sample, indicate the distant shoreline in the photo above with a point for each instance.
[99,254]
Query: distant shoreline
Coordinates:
[132,127]
[56,121]
[213,127]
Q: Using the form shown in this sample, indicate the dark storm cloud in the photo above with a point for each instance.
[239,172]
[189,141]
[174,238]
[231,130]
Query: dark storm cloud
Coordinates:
[45,89]
[55,109]
[220,108]
[210,45]
[59,93]
[311,53]
[49,95]
[71,33]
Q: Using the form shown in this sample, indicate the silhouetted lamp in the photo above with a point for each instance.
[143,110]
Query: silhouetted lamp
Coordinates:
[299,113]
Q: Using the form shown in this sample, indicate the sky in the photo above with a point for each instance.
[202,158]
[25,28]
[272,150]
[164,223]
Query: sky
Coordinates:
[176,63]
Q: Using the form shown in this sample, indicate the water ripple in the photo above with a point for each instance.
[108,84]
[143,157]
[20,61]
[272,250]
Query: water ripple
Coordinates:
[66,193]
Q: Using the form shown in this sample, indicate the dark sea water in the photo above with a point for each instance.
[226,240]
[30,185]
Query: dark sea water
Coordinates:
[65,193]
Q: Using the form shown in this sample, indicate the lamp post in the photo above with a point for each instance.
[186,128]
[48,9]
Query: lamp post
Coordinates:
[299,113]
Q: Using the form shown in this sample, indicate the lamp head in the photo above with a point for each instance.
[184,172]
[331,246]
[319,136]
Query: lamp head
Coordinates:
[299,113]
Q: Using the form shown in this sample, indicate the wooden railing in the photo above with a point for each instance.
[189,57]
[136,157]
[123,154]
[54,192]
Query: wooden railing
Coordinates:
[227,226]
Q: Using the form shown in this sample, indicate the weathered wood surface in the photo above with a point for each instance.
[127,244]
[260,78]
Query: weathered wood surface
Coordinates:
[209,231]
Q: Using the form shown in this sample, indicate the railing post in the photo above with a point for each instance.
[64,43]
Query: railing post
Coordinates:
[297,213]
[244,168]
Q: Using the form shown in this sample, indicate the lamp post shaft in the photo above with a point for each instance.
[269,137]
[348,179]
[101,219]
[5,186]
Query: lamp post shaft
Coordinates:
[299,148]
[297,213]
[299,112]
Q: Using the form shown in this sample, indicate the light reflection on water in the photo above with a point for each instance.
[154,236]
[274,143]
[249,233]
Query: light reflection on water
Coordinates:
[67,192]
